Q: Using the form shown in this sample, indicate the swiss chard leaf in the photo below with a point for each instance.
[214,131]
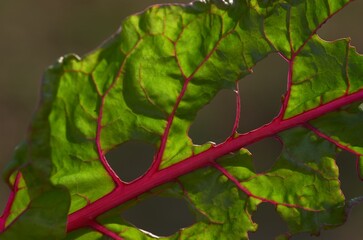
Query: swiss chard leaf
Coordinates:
[148,83]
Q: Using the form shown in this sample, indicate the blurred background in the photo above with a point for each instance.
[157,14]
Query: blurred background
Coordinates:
[33,34]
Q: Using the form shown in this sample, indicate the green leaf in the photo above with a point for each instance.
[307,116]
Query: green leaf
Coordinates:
[341,129]
[148,83]
[322,73]
[221,210]
[45,217]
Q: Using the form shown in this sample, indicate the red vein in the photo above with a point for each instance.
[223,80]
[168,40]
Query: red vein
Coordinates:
[84,197]
[288,87]
[95,85]
[250,194]
[82,217]
[98,227]
[326,137]
[156,163]
[203,159]
[10,202]
[159,155]
[147,96]
[296,53]
[238,111]
[101,156]
[118,196]
[346,72]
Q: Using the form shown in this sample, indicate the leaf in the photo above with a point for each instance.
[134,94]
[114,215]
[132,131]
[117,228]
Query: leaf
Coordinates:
[148,83]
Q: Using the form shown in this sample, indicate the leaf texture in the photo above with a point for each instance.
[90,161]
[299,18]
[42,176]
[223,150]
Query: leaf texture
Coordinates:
[148,83]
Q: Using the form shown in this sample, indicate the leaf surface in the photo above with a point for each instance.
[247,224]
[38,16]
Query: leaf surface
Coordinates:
[148,83]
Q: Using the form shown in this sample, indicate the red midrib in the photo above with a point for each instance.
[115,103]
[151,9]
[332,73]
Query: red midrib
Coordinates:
[119,196]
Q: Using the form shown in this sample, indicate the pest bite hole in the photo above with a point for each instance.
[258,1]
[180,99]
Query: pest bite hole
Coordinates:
[214,122]
[261,92]
[342,25]
[160,216]
[131,160]
[265,153]
[351,185]
[270,224]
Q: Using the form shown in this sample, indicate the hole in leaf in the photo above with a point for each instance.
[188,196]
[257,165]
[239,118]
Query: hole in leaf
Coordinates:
[344,24]
[270,224]
[265,153]
[261,92]
[131,159]
[351,229]
[215,121]
[351,185]
[160,216]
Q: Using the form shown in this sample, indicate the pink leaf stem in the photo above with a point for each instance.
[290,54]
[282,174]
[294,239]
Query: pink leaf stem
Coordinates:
[81,217]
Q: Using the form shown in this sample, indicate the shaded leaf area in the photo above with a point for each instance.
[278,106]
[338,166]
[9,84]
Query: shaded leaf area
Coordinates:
[224,197]
[148,83]
[219,207]
[341,128]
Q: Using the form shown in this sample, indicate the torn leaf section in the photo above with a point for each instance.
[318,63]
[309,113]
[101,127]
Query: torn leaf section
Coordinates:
[306,16]
[290,24]
[304,183]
